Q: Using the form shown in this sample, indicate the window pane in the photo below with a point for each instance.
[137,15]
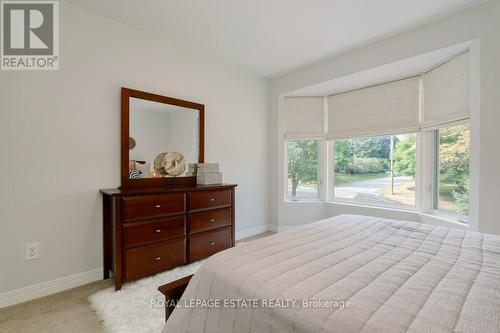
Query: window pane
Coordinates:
[303,169]
[362,169]
[454,153]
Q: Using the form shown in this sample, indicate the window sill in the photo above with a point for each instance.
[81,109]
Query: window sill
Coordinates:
[353,204]
[288,200]
[434,217]
[446,217]
[397,208]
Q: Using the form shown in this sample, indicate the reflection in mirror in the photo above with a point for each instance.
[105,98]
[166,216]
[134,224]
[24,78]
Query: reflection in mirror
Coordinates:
[163,139]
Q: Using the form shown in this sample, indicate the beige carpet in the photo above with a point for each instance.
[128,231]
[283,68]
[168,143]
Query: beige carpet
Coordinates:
[65,312]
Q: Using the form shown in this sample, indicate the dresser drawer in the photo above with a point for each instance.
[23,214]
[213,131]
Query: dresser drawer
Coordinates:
[150,259]
[150,206]
[137,233]
[205,244]
[209,199]
[209,220]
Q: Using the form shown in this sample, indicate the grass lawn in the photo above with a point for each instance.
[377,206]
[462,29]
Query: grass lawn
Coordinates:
[446,198]
[344,178]
[446,191]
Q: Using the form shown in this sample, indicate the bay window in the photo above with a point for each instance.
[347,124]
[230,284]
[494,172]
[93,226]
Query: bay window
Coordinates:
[381,144]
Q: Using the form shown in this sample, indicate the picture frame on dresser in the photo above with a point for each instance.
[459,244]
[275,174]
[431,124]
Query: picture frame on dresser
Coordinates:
[155,224]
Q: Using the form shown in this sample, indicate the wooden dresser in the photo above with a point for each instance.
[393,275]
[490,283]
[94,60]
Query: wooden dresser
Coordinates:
[146,231]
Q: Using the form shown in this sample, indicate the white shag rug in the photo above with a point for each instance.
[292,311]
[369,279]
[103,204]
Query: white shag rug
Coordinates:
[136,308]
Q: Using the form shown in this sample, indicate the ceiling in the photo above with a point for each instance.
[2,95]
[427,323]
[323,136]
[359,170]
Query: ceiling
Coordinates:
[387,73]
[270,37]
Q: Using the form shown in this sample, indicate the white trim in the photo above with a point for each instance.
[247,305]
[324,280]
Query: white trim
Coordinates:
[440,220]
[450,216]
[72,281]
[50,287]
[285,165]
[424,179]
[303,200]
[253,231]
[390,206]
[304,136]
[475,130]
[433,218]
[330,170]
[409,130]
[355,204]
[281,228]
[461,121]
[322,171]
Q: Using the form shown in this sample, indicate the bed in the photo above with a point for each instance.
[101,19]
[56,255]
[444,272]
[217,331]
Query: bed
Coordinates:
[348,273]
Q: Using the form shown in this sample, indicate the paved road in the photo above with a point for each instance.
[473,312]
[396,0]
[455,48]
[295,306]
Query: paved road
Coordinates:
[364,190]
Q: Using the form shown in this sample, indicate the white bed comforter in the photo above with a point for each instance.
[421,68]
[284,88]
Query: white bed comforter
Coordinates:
[372,274]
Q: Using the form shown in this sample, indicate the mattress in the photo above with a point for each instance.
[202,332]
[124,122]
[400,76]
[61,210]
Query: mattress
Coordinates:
[348,273]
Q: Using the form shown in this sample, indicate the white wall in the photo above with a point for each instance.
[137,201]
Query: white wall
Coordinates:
[59,140]
[183,133]
[155,132]
[481,23]
[151,132]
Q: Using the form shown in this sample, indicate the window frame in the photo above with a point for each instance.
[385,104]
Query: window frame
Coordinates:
[427,143]
[448,214]
[320,172]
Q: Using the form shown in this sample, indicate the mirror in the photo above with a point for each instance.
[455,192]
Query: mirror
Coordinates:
[163,139]
[160,137]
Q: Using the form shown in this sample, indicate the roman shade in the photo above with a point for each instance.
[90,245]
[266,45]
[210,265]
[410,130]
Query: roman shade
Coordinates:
[388,108]
[304,116]
[446,92]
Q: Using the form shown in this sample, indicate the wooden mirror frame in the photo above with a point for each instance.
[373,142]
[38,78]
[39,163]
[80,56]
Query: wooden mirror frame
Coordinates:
[127,183]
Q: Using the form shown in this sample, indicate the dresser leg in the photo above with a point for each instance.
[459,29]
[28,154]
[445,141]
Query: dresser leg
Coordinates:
[117,242]
[106,235]
[233,221]
[118,283]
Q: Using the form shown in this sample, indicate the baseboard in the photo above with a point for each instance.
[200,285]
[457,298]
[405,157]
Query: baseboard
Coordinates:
[273,228]
[282,228]
[261,229]
[253,231]
[50,287]
[72,281]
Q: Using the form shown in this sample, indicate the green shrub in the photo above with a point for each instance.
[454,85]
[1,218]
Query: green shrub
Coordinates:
[462,202]
[367,165]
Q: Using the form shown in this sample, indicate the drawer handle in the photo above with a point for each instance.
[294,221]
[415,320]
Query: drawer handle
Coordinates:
[158,230]
[157,258]
[158,206]
[212,199]
[212,220]
[212,243]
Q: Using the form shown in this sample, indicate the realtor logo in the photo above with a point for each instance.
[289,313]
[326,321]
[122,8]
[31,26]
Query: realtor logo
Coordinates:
[30,35]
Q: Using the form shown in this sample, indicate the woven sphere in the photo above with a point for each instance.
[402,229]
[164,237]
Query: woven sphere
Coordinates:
[174,164]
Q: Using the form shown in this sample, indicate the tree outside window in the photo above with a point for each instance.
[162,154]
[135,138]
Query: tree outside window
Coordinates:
[303,169]
[454,158]
[375,170]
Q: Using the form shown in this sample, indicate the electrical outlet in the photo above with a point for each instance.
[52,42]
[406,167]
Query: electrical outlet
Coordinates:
[32,251]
